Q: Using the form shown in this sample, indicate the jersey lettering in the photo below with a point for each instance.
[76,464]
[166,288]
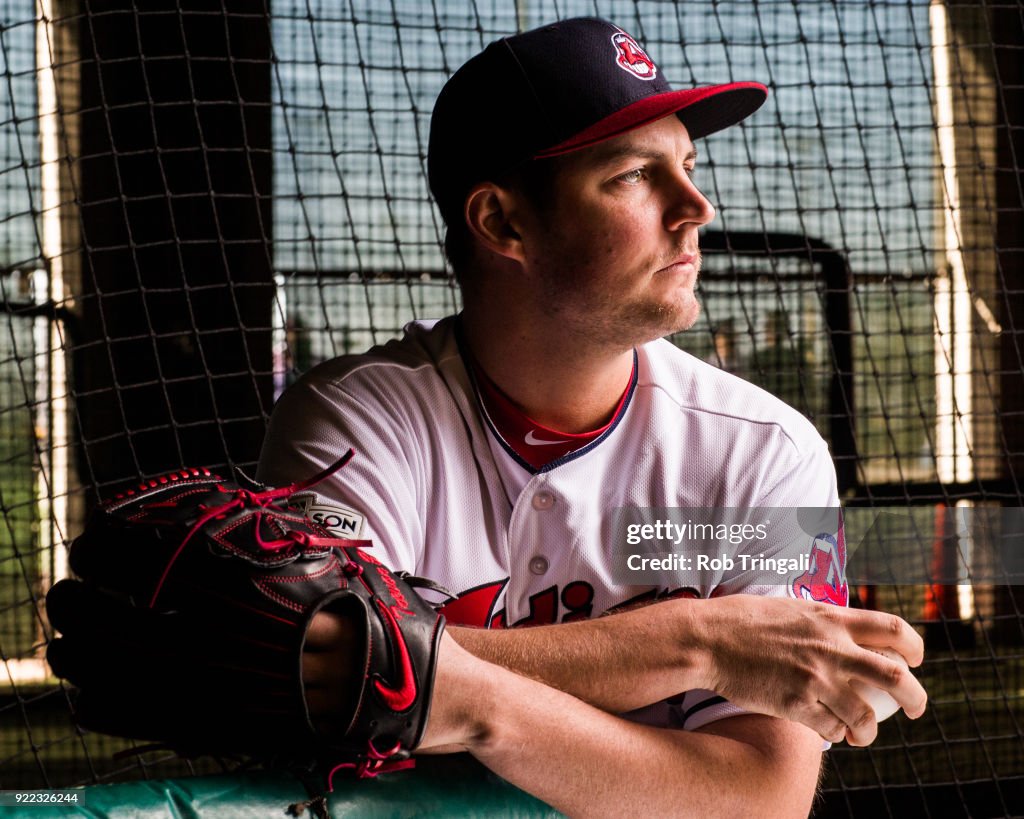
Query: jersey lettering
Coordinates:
[652,595]
[474,607]
[578,598]
[543,609]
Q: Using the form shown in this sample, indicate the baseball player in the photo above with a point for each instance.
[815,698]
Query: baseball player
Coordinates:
[493,448]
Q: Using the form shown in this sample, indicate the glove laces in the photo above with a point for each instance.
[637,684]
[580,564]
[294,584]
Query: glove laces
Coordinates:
[376,762]
[245,498]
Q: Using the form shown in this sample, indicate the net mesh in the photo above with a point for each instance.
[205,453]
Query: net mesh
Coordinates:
[200,201]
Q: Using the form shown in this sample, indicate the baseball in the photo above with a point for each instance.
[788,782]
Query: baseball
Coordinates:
[881,701]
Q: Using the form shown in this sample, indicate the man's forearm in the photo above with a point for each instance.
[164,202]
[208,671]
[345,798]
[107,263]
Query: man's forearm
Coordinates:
[786,658]
[585,762]
[616,663]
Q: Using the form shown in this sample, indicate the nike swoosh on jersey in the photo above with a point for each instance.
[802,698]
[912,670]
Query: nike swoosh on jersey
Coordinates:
[532,440]
[401,696]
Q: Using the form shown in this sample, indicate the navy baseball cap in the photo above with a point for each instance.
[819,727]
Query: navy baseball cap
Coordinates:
[557,89]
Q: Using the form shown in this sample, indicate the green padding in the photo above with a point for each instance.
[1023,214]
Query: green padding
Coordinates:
[434,790]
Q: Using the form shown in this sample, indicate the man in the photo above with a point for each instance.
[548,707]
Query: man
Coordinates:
[493,449]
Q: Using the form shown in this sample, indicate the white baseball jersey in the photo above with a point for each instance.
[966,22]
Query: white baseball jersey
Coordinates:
[442,496]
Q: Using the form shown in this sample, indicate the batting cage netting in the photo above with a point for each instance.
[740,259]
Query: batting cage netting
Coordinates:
[201,200]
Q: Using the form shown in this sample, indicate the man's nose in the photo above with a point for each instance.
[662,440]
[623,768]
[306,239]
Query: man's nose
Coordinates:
[686,204]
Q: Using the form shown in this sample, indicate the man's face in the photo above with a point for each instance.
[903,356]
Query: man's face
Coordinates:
[614,254]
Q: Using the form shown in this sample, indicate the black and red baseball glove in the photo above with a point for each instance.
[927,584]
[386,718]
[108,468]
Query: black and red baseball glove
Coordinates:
[189,618]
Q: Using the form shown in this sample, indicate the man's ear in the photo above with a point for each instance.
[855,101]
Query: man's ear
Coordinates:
[491,218]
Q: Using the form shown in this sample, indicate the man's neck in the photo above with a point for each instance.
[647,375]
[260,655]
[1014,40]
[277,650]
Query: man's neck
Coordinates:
[563,383]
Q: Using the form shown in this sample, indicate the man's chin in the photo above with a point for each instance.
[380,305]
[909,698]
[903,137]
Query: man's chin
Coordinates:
[681,317]
[665,320]
[689,320]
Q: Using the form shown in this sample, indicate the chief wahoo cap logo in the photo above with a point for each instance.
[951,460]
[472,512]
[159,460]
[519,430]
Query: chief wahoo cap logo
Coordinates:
[630,57]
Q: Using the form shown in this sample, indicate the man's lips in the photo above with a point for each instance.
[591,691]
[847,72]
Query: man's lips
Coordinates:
[687,259]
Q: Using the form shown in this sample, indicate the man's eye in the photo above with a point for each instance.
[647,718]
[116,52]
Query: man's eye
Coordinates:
[633,176]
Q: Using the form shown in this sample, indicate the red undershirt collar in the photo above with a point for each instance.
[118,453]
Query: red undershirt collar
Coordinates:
[535,443]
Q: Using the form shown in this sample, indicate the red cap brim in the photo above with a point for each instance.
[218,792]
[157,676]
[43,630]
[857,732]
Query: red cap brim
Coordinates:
[702,110]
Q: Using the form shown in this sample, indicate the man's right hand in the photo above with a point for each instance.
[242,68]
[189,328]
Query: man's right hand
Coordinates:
[796,659]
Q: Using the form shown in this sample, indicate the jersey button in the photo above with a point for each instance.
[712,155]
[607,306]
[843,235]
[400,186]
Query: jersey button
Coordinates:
[538,564]
[543,500]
